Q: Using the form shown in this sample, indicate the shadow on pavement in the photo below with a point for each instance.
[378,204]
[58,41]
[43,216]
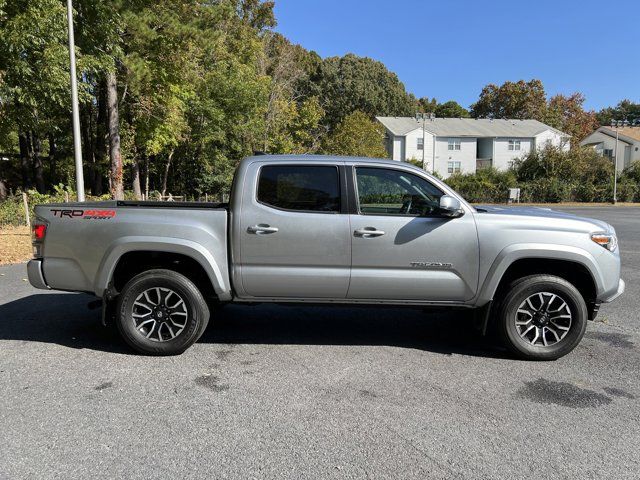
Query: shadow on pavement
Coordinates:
[65,320]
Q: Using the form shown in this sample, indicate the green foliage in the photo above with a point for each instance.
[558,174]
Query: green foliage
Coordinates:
[357,135]
[511,100]
[528,100]
[487,185]
[553,175]
[624,110]
[415,162]
[550,175]
[629,184]
[451,109]
[350,83]
[12,209]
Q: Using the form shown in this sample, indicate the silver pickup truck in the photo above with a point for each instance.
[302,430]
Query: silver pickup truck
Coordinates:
[311,229]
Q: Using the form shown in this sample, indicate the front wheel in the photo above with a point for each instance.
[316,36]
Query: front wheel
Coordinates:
[161,312]
[542,317]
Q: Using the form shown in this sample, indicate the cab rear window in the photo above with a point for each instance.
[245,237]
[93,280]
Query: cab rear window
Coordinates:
[305,188]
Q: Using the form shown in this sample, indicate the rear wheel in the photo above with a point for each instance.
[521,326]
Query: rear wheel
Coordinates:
[542,317]
[161,312]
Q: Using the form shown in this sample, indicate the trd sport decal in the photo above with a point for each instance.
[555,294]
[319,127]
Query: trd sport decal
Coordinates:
[85,214]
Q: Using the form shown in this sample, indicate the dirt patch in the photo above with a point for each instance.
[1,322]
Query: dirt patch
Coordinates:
[15,245]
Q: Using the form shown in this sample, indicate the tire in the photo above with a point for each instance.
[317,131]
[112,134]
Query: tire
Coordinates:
[533,332]
[161,312]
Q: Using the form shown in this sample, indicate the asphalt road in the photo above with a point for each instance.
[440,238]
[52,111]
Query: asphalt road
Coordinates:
[288,392]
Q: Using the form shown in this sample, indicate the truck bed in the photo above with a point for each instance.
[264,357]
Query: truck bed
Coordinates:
[141,204]
[84,241]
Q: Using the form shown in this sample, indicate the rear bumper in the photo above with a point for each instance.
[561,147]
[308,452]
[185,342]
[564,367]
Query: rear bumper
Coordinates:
[611,297]
[34,272]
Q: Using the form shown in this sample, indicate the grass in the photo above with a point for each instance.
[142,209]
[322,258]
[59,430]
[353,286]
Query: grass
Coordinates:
[15,245]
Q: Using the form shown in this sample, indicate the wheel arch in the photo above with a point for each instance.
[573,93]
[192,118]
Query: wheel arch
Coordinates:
[134,255]
[573,264]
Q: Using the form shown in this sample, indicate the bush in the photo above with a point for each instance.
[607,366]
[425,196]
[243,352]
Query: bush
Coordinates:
[485,186]
[628,190]
[547,190]
[551,175]
[12,209]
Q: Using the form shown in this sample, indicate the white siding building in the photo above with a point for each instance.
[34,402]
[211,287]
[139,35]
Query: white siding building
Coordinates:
[451,145]
[603,141]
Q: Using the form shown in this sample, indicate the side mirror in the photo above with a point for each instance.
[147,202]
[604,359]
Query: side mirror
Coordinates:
[450,207]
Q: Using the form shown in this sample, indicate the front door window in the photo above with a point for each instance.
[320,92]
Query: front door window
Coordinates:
[383,191]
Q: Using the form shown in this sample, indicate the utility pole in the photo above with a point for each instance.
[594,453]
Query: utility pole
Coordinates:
[77,147]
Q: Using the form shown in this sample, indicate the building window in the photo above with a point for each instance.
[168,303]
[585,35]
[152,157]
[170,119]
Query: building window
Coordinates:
[514,144]
[420,144]
[608,152]
[454,144]
[453,167]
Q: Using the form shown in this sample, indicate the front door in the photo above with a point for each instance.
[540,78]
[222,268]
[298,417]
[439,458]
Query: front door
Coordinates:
[402,249]
[295,236]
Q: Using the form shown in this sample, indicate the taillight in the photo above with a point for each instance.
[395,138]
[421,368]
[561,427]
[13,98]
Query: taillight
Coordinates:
[39,231]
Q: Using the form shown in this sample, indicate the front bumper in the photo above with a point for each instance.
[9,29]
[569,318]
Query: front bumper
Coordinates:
[34,272]
[616,294]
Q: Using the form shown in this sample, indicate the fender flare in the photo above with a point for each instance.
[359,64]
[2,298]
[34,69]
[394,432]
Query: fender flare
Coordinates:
[219,281]
[519,251]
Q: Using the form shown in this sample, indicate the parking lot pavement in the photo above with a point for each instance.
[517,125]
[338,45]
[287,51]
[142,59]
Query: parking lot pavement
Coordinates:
[293,392]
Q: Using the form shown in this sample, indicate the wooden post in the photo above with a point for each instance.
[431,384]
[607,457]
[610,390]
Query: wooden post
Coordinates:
[206,197]
[66,197]
[25,202]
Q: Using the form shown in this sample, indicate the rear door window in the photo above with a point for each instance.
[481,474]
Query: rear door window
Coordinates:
[304,188]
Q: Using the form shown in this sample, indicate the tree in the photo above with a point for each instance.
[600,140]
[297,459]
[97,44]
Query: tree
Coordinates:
[427,105]
[568,115]
[357,135]
[117,190]
[451,109]
[34,79]
[290,115]
[624,110]
[521,100]
[350,83]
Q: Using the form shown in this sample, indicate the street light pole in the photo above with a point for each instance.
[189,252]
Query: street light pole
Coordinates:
[615,171]
[423,116]
[77,147]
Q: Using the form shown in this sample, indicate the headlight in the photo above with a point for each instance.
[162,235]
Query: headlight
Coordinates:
[607,240]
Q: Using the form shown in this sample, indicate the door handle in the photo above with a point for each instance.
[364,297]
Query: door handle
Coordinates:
[262,229]
[368,232]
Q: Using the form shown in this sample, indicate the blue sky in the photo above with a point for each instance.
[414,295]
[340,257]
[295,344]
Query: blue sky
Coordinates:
[450,49]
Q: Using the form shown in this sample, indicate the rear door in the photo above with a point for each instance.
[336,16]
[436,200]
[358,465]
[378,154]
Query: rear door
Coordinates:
[402,249]
[294,235]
